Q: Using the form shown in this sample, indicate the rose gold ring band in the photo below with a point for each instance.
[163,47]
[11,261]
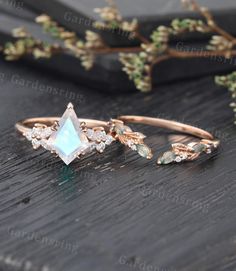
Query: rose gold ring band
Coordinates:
[26,125]
[168,124]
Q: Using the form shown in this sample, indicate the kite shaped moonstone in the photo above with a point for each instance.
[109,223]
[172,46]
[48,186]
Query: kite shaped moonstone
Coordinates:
[69,140]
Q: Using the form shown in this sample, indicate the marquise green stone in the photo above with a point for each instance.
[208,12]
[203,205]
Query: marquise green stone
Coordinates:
[199,148]
[167,158]
[143,150]
[120,129]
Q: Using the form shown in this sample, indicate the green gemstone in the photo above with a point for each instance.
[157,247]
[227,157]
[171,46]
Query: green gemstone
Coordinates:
[143,150]
[167,158]
[199,148]
[121,128]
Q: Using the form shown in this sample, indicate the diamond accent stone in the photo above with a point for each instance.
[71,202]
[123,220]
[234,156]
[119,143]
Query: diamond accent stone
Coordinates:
[46,132]
[45,145]
[109,140]
[36,132]
[90,133]
[28,135]
[69,140]
[92,146]
[36,143]
[134,147]
[130,143]
[100,136]
[100,147]
[99,139]
[178,159]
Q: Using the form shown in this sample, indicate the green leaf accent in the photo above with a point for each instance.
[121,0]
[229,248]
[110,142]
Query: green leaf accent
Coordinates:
[198,148]
[144,151]
[167,158]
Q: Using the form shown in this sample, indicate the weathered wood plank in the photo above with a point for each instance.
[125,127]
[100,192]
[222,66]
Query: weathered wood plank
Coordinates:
[116,211]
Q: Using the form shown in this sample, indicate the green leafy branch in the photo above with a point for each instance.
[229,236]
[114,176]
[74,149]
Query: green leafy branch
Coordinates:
[26,44]
[137,62]
[229,81]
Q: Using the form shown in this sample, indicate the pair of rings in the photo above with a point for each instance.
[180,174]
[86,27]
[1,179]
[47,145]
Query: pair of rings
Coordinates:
[70,137]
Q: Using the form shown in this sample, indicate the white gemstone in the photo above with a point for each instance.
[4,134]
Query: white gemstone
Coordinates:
[100,147]
[134,147]
[69,140]
[92,146]
[109,140]
[178,159]
[130,143]
[90,133]
[103,136]
[37,132]
[46,132]
[28,135]
[36,143]
[45,145]
[100,135]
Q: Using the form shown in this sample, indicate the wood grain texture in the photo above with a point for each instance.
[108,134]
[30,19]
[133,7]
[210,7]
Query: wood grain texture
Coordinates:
[115,211]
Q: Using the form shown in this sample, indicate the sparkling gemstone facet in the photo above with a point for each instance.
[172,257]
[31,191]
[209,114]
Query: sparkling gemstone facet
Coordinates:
[69,140]
[100,147]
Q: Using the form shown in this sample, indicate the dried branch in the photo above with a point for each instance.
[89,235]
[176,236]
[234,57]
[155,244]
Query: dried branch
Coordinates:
[138,62]
[229,81]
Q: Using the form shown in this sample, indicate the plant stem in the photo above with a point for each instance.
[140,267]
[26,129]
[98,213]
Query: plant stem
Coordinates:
[140,37]
[108,50]
[211,22]
[172,53]
[200,54]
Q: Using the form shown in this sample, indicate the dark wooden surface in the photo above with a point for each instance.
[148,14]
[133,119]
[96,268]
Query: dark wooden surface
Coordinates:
[115,211]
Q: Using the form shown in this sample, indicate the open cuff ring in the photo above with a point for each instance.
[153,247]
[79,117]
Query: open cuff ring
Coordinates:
[70,137]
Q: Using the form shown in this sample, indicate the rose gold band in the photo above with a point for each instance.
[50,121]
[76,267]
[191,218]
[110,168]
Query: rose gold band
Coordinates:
[168,124]
[26,125]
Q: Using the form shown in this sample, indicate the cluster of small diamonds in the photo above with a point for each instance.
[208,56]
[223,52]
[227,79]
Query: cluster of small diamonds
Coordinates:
[131,144]
[99,139]
[39,137]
